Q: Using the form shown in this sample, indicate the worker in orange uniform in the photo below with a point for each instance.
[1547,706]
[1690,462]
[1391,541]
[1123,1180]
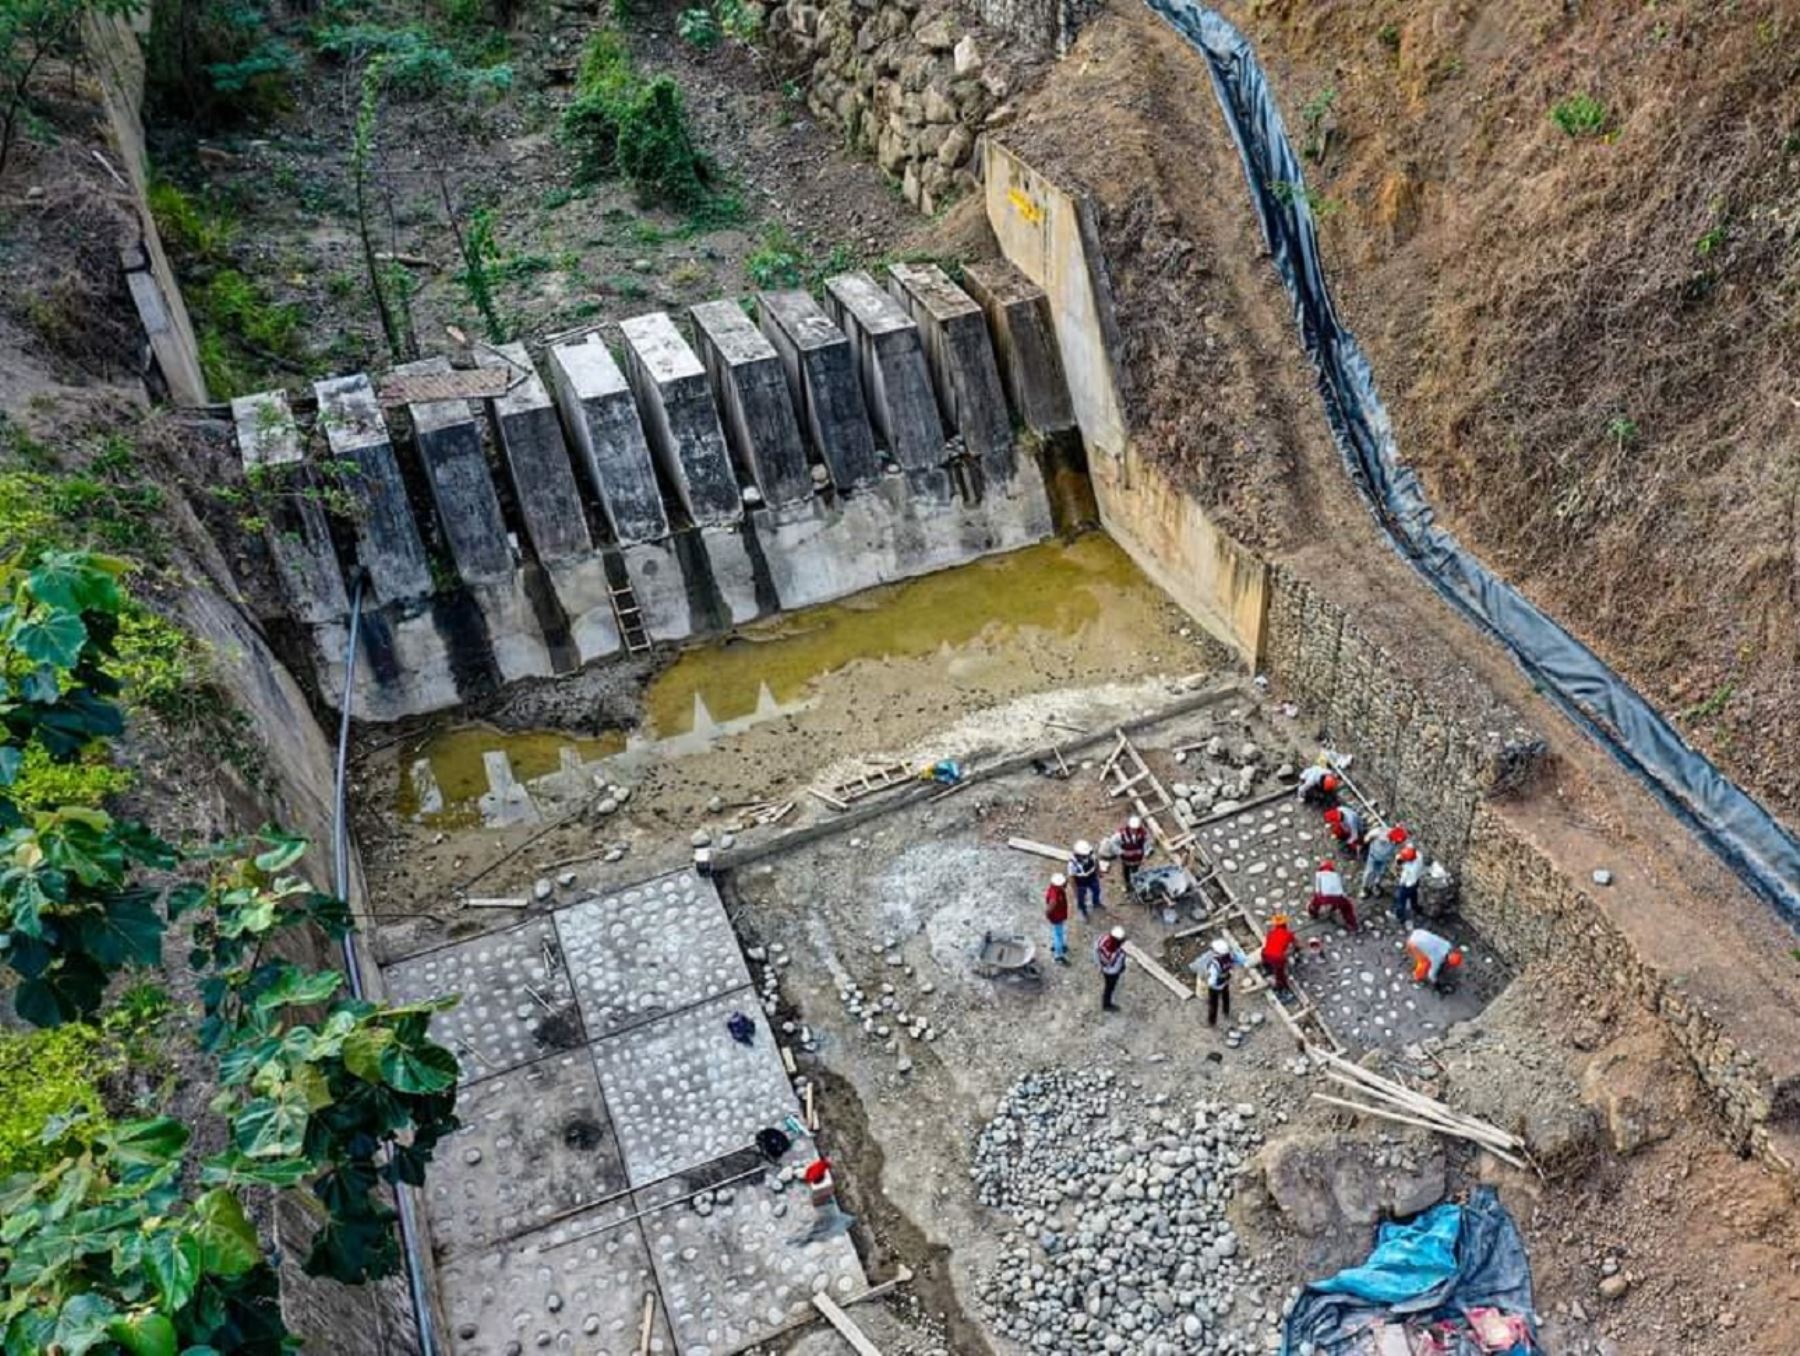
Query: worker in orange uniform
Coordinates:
[1431,955]
[1329,896]
[1277,946]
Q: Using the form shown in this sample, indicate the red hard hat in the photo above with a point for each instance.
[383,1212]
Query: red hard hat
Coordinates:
[1397,834]
[1409,854]
[1456,958]
[1333,815]
[1330,783]
[1328,865]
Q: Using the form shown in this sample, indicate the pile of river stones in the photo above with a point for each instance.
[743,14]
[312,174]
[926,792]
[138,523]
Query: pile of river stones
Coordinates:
[1122,1245]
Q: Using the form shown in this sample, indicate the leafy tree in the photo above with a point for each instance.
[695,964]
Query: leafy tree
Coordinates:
[122,1245]
[31,31]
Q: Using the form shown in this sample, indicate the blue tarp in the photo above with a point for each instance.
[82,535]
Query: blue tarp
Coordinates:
[1749,839]
[1447,1260]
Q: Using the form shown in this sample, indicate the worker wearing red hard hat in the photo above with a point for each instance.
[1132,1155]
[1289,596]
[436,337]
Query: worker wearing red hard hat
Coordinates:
[1346,826]
[1406,891]
[1329,896]
[1318,785]
[1380,846]
[1431,955]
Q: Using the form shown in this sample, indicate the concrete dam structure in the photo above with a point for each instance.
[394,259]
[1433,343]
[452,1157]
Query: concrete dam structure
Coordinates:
[773,456]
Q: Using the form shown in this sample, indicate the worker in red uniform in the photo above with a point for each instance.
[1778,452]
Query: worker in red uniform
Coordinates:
[1329,896]
[1346,826]
[1134,846]
[1277,946]
[1056,914]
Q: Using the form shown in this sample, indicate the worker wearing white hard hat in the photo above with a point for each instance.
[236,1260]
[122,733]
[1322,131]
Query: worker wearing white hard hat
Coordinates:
[1216,967]
[1084,871]
[1109,955]
[1056,914]
[1134,846]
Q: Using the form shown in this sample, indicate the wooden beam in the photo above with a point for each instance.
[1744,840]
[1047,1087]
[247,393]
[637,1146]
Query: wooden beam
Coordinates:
[484,902]
[643,1347]
[1156,972]
[845,1325]
[900,1277]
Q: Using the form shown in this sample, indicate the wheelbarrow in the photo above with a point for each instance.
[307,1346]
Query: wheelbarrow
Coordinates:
[1008,956]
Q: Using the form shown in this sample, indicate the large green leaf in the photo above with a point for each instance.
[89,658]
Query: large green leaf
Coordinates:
[11,758]
[363,1049]
[272,1127]
[419,1068]
[126,932]
[144,1334]
[232,1168]
[146,1143]
[52,638]
[283,851]
[78,582]
[173,1259]
[82,1324]
[228,1245]
[297,986]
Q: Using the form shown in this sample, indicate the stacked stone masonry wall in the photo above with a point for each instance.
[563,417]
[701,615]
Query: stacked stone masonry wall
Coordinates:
[910,84]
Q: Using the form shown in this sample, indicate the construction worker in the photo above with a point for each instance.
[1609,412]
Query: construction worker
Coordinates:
[1406,891]
[1277,946]
[829,1219]
[1109,954]
[1084,870]
[1134,845]
[1329,896]
[1220,962]
[1346,826]
[1056,914]
[1318,785]
[1381,846]
[1431,954]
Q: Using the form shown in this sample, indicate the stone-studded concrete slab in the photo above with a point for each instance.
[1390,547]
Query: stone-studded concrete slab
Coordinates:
[387,539]
[674,396]
[962,361]
[517,1003]
[298,534]
[754,402]
[1361,980]
[682,1092]
[891,361]
[733,1267]
[602,417]
[642,952]
[821,374]
[536,1143]
[542,474]
[579,1290]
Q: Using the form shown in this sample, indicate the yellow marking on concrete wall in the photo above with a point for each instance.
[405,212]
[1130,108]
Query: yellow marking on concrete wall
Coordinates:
[1024,206]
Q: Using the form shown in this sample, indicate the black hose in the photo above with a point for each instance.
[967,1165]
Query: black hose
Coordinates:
[340,870]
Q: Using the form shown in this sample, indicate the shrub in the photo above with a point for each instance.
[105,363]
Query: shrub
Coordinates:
[698,27]
[50,1102]
[198,231]
[414,64]
[1579,115]
[619,123]
[740,22]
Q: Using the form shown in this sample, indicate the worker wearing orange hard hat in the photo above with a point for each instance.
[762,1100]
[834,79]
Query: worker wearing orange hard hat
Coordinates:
[1406,891]
[1277,946]
[1431,956]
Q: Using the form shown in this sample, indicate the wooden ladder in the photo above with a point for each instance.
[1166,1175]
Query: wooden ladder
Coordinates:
[630,618]
[879,777]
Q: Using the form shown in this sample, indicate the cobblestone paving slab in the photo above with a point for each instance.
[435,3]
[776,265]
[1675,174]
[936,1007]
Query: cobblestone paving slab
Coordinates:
[584,1297]
[1361,981]
[639,953]
[682,1092]
[536,1142]
[516,1005]
[733,1267]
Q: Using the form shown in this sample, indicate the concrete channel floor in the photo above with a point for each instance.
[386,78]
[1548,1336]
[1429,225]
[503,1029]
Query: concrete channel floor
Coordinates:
[608,1143]
[1362,981]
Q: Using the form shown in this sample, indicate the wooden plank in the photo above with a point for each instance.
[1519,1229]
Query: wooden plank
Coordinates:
[901,1276]
[1127,784]
[832,801]
[643,1347]
[1055,854]
[1064,725]
[787,1061]
[812,1115]
[1156,972]
[1388,1115]
[845,1325]
[485,902]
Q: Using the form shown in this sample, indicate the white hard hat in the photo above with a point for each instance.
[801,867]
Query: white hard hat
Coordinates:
[1118,934]
[1221,947]
[1083,847]
[1134,823]
[1059,879]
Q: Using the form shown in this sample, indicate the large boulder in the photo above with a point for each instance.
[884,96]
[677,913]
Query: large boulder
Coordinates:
[1326,1183]
[1642,1087]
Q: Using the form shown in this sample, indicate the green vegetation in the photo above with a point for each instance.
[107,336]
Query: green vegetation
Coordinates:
[1323,208]
[216,62]
[1313,115]
[621,123]
[117,1242]
[1713,706]
[1622,431]
[31,33]
[1580,115]
[1388,35]
[415,65]
[698,27]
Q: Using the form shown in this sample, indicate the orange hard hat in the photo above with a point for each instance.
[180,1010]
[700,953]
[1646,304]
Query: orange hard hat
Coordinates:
[1397,834]
[1333,815]
[1280,920]
[1456,958]
[1409,854]
[1330,783]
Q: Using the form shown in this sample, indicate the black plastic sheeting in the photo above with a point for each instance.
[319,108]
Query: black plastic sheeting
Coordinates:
[1739,830]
